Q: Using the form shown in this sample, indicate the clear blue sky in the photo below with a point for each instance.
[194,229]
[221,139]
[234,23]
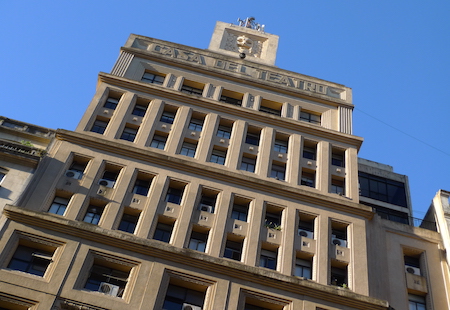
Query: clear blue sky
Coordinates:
[395,55]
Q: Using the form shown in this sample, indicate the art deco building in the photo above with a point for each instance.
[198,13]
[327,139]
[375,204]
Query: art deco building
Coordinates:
[211,179]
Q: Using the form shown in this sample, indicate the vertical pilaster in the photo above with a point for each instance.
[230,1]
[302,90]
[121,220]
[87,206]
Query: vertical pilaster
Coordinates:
[204,144]
[236,141]
[287,245]
[116,124]
[253,244]
[149,123]
[323,166]
[218,235]
[351,178]
[266,141]
[177,132]
[294,155]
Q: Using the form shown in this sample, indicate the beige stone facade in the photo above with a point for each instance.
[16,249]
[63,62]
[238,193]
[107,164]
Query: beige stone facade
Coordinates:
[206,179]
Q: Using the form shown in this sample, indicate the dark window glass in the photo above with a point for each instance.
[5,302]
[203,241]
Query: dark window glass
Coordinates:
[99,126]
[278,172]
[308,179]
[337,187]
[167,117]
[191,90]
[224,132]
[141,187]
[270,111]
[177,297]
[268,259]
[99,275]
[248,164]
[309,153]
[239,212]
[30,260]
[233,250]
[198,241]
[302,268]
[337,160]
[280,146]
[111,103]
[338,276]
[152,78]
[188,149]
[93,215]
[218,157]
[382,189]
[174,195]
[252,139]
[159,142]
[196,124]
[129,134]
[163,232]
[128,223]
[230,100]
[309,117]
[139,110]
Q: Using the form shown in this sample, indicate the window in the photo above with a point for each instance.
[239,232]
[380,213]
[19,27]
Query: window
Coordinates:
[198,241]
[192,88]
[175,192]
[129,134]
[139,109]
[379,188]
[111,103]
[224,132]
[273,217]
[268,259]
[107,280]
[252,138]
[308,178]
[218,157]
[389,214]
[412,264]
[208,200]
[309,150]
[153,78]
[59,206]
[278,171]
[178,298]
[309,117]
[196,124]
[93,214]
[339,234]
[280,146]
[77,167]
[337,158]
[188,149]
[303,268]
[270,107]
[233,250]
[239,212]
[110,175]
[31,260]
[99,126]
[337,187]
[163,232]
[306,225]
[142,186]
[167,117]
[339,276]
[159,142]
[231,97]
[128,223]
[416,302]
[248,164]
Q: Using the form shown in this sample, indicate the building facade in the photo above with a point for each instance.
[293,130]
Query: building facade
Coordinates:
[211,179]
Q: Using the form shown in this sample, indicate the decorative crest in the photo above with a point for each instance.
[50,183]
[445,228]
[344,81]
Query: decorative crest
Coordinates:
[249,22]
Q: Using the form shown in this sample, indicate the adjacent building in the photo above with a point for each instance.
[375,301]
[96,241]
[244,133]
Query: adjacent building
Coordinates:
[211,179]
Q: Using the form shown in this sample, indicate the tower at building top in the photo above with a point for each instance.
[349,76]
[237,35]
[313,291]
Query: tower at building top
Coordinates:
[247,40]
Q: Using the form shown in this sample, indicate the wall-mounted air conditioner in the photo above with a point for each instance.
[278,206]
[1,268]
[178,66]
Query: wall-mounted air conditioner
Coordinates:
[108,289]
[337,241]
[74,174]
[413,270]
[191,307]
[306,233]
[106,183]
[205,208]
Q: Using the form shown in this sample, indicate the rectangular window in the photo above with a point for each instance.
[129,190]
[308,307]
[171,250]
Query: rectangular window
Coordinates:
[310,117]
[153,78]
[107,280]
[59,206]
[417,302]
[231,97]
[412,264]
[142,186]
[198,241]
[268,259]
[383,189]
[109,176]
[128,223]
[208,200]
[32,260]
[163,232]
[339,234]
[233,249]
[339,275]
[99,126]
[175,192]
[167,117]
[192,88]
[77,167]
[182,298]
[248,164]
[271,107]
[306,225]
[224,132]
[188,149]
[303,268]
[310,150]
[93,214]
[240,212]
[139,109]
[196,124]
[252,138]
[273,217]
[129,134]
[338,158]
[308,178]
[159,142]
[280,146]
[111,103]
[278,171]
[337,186]
[218,157]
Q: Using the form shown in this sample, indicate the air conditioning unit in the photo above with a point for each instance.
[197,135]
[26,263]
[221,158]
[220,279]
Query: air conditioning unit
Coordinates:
[74,174]
[413,270]
[191,307]
[108,289]
[205,208]
[305,233]
[340,242]
[106,183]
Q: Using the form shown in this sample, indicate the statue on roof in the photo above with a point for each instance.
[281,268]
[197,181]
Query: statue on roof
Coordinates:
[249,22]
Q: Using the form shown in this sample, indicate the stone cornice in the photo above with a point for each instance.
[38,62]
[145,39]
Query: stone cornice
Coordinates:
[194,259]
[238,112]
[193,167]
